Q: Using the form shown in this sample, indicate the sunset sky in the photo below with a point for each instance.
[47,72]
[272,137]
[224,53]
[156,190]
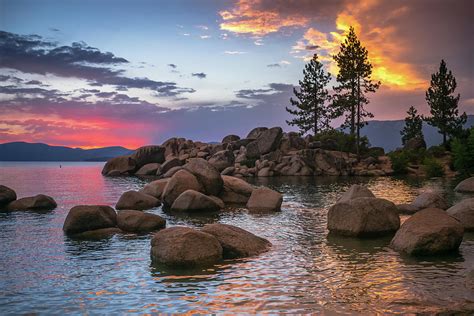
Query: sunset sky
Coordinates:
[101,73]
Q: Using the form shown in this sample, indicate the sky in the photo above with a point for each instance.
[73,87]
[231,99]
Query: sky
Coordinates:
[104,73]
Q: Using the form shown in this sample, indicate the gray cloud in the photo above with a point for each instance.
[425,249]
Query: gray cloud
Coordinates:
[199,75]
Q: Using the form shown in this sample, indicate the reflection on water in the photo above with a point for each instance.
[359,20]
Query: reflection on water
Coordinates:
[306,271]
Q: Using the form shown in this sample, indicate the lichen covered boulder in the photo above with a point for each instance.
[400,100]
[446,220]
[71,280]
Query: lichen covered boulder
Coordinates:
[83,218]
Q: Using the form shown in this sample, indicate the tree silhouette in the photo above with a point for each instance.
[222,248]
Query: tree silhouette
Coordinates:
[413,126]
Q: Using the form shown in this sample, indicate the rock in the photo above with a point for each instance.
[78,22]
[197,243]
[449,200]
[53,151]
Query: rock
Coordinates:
[466,185]
[7,195]
[207,175]
[82,218]
[430,200]
[38,202]
[119,166]
[264,200]
[256,132]
[236,191]
[406,209]
[469,281]
[222,159]
[415,143]
[155,188]
[169,164]
[265,172]
[194,201]
[237,242]
[428,232]
[376,151]
[230,139]
[171,147]
[364,216]
[252,150]
[464,213]
[315,145]
[171,172]
[149,154]
[269,140]
[218,201]
[185,247]
[133,200]
[355,191]
[292,141]
[181,181]
[228,171]
[148,169]
[98,234]
[139,222]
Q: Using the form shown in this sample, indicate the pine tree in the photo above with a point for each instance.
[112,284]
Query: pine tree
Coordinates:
[413,126]
[444,104]
[354,82]
[311,111]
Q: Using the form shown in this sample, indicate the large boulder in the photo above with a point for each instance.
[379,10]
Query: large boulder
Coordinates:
[119,166]
[38,202]
[237,242]
[264,200]
[7,195]
[181,181]
[222,159]
[256,132]
[430,200]
[185,247]
[207,175]
[355,191]
[466,185]
[464,213]
[193,201]
[139,222]
[155,188]
[365,216]
[148,169]
[236,191]
[133,200]
[169,164]
[415,143]
[82,218]
[268,141]
[230,139]
[149,154]
[428,232]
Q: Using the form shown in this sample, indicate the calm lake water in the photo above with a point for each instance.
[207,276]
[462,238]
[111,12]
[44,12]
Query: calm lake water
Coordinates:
[44,272]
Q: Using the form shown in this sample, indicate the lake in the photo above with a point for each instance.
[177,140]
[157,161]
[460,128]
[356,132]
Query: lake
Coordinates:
[45,272]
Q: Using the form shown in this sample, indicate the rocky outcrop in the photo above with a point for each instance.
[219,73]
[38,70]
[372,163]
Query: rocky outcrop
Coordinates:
[464,213]
[122,165]
[355,191]
[181,181]
[264,200]
[429,232]
[256,132]
[194,201]
[185,247]
[7,195]
[155,188]
[133,200]
[38,202]
[169,164]
[237,242]
[148,169]
[148,154]
[83,218]
[139,222]
[236,191]
[207,175]
[230,139]
[222,159]
[466,186]
[364,216]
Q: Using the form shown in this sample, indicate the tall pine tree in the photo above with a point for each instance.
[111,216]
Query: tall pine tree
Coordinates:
[310,109]
[354,82]
[444,104]
[413,126]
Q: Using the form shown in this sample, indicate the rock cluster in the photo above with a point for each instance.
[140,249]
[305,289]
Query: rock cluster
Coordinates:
[9,201]
[265,152]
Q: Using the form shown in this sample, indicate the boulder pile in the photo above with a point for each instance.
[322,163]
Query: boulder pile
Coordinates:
[9,201]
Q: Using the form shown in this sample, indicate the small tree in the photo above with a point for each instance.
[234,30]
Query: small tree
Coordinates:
[413,126]
[444,104]
[311,111]
[354,79]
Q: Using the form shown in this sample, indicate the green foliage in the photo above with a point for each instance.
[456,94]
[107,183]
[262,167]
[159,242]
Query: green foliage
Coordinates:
[436,151]
[433,167]
[444,104]
[463,153]
[342,141]
[413,126]
[400,160]
[311,111]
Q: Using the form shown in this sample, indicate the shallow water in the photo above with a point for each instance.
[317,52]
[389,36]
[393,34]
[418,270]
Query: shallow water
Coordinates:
[44,272]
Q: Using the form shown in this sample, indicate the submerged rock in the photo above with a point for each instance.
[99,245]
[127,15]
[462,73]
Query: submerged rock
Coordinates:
[139,222]
[155,188]
[363,216]
[7,195]
[237,242]
[38,202]
[464,213]
[265,200]
[193,201]
[466,185]
[185,247]
[181,181]
[428,232]
[355,191]
[82,218]
[133,200]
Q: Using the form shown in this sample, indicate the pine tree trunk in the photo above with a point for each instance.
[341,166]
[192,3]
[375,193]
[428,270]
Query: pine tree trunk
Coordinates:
[315,122]
[353,111]
[358,120]
[444,139]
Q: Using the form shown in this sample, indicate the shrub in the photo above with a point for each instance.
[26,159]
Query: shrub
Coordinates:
[400,160]
[342,141]
[433,167]
[463,153]
[436,151]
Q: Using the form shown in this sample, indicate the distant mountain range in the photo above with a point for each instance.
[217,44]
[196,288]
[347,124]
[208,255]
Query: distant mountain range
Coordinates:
[21,151]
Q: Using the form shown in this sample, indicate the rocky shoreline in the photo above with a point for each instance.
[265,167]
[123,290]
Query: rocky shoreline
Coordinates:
[265,152]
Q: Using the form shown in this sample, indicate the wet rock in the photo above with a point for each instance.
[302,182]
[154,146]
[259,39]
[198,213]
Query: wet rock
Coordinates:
[430,200]
[7,195]
[355,191]
[208,176]
[149,154]
[464,213]
[236,191]
[185,247]
[155,188]
[139,222]
[133,200]
[119,166]
[148,169]
[466,185]
[364,216]
[407,208]
[265,200]
[237,242]
[428,232]
[265,172]
[181,181]
[82,218]
[194,201]
[169,164]
[222,159]
[230,139]
[256,132]
[38,202]
[97,234]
